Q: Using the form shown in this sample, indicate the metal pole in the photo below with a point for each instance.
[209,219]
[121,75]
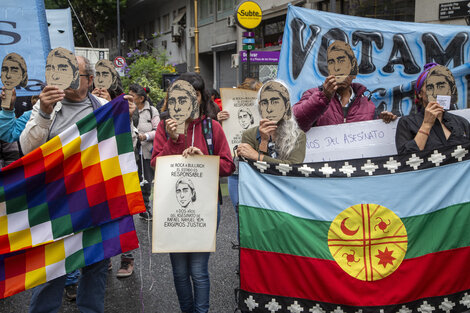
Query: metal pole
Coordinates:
[248,63]
[196,40]
[118,29]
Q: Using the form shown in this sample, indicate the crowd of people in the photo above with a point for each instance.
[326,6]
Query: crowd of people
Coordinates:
[278,138]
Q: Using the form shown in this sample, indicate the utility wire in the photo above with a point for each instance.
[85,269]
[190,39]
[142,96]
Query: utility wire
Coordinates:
[83,29]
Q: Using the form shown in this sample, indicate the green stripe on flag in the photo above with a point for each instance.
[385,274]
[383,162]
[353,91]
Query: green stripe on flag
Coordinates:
[274,231]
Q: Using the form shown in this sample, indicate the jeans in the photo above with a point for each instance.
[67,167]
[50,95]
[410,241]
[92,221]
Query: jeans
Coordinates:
[192,267]
[72,277]
[233,190]
[148,175]
[187,268]
[47,298]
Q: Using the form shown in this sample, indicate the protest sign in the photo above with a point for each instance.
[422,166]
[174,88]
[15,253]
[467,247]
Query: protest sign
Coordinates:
[62,69]
[390,54]
[14,73]
[243,110]
[185,204]
[106,75]
[23,30]
[182,103]
[355,140]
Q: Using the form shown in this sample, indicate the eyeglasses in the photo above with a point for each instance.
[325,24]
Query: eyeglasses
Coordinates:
[84,75]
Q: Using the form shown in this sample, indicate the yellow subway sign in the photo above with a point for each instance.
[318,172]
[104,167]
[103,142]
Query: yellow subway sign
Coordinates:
[249,15]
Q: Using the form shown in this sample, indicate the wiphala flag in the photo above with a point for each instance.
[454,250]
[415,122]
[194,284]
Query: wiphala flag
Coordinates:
[69,203]
[387,234]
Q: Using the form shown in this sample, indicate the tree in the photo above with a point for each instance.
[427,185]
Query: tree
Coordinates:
[146,69]
[96,16]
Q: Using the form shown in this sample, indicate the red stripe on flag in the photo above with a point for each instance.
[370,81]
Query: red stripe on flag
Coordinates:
[435,274]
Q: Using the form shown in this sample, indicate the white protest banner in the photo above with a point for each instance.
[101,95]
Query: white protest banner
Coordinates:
[355,140]
[243,110]
[185,204]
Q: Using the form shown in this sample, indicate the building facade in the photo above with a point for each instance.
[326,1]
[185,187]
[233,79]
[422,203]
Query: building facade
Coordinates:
[220,39]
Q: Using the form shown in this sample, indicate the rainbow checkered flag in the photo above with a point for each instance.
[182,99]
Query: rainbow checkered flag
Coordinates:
[69,203]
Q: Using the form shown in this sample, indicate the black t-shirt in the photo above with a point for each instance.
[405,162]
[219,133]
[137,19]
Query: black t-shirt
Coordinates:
[409,125]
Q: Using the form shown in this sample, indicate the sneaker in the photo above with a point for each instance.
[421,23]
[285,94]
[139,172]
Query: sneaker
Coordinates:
[71,292]
[147,216]
[127,268]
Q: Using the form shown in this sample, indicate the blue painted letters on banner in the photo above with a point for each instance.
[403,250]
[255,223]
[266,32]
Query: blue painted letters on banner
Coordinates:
[390,54]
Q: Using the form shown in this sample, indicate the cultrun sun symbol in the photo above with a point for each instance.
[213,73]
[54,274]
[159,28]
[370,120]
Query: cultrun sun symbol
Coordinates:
[368,241]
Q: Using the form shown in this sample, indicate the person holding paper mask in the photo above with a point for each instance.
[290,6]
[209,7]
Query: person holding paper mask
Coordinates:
[338,100]
[432,127]
[190,270]
[277,139]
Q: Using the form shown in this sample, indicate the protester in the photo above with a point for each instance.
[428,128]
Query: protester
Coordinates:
[277,139]
[148,122]
[215,97]
[190,270]
[55,111]
[338,100]
[432,127]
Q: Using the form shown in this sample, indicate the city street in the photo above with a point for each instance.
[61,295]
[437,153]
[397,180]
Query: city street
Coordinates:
[150,288]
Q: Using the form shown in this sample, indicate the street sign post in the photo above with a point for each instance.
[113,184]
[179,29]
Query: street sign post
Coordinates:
[454,10]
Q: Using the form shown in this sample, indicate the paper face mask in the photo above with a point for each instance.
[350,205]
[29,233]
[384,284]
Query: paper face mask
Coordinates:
[274,102]
[182,103]
[62,69]
[14,71]
[341,61]
[440,82]
[106,75]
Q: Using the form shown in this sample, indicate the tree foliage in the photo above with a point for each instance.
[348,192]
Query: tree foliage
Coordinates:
[96,16]
[146,69]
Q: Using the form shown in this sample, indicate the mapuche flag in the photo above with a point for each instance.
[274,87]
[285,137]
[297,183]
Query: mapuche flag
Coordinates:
[68,203]
[386,234]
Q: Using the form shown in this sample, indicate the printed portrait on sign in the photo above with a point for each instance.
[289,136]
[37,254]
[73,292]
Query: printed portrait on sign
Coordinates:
[341,61]
[62,69]
[14,71]
[274,101]
[182,103]
[241,105]
[245,118]
[185,209]
[185,192]
[106,75]
[440,86]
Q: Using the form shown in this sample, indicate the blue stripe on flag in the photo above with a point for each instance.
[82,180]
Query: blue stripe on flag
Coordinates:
[324,198]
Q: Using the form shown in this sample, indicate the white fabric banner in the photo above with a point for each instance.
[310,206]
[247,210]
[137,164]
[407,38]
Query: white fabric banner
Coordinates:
[354,140]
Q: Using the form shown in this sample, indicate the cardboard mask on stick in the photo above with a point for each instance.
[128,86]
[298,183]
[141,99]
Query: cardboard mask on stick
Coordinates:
[274,101]
[182,103]
[440,85]
[341,60]
[62,69]
[106,75]
[14,73]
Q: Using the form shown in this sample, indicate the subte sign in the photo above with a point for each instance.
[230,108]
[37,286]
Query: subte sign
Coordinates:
[249,15]
[454,10]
